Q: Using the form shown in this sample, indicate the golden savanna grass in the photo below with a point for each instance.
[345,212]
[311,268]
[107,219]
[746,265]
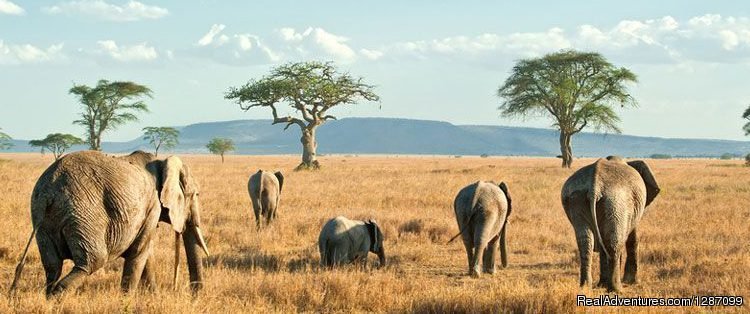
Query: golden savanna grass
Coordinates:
[694,239]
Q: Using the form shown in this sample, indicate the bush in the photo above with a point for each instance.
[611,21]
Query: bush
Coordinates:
[484,155]
[727,156]
[661,156]
[747,160]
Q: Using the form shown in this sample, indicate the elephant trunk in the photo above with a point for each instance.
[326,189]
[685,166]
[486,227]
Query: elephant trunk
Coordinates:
[192,239]
[381,257]
[503,247]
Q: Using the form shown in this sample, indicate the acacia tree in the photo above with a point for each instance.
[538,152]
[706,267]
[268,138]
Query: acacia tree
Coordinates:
[576,89]
[5,141]
[746,116]
[161,137]
[220,146]
[107,106]
[56,143]
[311,89]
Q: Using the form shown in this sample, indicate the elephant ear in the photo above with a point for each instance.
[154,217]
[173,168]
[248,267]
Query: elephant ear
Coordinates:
[279,177]
[172,195]
[504,187]
[372,231]
[652,188]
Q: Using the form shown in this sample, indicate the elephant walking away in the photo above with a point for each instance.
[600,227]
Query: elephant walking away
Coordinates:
[604,202]
[347,241]
[93,208]
[264,188]
[482,211]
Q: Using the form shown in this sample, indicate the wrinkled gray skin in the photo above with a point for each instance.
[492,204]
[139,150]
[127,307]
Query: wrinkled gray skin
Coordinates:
[264,188]
[482,210]
[604,202]
[348,241]
[93,208]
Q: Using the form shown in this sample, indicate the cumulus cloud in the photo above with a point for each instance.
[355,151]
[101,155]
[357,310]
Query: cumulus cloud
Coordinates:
[11,54]
[10,8]
[315,42]
[127,12]
[135,53]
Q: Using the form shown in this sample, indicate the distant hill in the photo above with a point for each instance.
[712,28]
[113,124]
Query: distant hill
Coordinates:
[406,136]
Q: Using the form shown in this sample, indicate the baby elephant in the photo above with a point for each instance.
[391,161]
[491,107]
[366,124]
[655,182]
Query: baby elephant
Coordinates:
[265,188]
[482,211]
[347,241]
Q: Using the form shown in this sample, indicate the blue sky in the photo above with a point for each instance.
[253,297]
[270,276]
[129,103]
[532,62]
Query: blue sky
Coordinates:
[440,60]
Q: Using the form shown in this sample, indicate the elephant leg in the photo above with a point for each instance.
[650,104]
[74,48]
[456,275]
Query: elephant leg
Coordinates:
[631,263]
[478,256]
[604,271]
[147,279]
[613,274]
[585,241]
[135,263]
[490,255]
[469,246]
[256,211]
[51,260]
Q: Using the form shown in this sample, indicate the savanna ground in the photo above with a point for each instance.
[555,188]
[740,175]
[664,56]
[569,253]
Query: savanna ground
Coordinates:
[694,239]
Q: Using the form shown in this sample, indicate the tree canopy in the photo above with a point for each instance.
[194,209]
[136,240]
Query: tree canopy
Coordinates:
[161,137]
[220,146]
[5,141]
[57,143]
[107,106]
[310,89]
[746,116]
[576,89]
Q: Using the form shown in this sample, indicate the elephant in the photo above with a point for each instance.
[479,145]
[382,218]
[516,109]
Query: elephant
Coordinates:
[92,209]
[264,188]
[604,202]
[347,241]
[482,211]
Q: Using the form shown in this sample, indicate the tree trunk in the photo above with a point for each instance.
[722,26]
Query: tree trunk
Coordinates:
[565,150]
[309,146]
[222,158]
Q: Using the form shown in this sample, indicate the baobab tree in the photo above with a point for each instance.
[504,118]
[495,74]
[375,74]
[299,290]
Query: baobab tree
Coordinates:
[577,89]
[311,89]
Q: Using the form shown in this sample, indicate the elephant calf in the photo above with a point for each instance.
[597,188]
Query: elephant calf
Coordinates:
[264,188]
[482,211]
[346,241]
[604,202]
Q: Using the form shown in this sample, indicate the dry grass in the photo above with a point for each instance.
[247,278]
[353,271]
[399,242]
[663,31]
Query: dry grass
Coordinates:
[694,239]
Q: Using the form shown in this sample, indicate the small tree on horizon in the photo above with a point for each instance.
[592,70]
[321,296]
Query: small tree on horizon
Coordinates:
[57,143]
[161,137]
[5,141]
[746,116]
[576,89]
[311,89]
[220,146]
[107,106]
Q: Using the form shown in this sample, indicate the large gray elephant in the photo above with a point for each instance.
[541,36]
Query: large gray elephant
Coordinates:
[264,188]
[347,241]
[93,208]
[482,210]
[604,202]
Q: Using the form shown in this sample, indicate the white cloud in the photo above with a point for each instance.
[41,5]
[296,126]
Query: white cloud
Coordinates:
[138,52]
[209,37]
[128,12]
[11,54]
[8,7]
[371,54]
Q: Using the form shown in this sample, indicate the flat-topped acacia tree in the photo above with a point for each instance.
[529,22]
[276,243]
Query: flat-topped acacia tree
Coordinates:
[311,89]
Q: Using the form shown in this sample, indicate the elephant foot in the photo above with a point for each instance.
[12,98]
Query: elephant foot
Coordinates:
[630,279]
[602,284]
[474,273]
[490,271]
[614,289]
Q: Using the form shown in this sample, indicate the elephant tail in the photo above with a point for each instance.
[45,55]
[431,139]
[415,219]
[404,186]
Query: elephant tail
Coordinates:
[593,198]
[19,267]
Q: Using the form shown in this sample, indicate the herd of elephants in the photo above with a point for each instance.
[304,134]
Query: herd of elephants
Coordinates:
[93,208]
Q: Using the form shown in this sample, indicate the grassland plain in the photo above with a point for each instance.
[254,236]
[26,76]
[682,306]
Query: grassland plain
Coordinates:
[694,239]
